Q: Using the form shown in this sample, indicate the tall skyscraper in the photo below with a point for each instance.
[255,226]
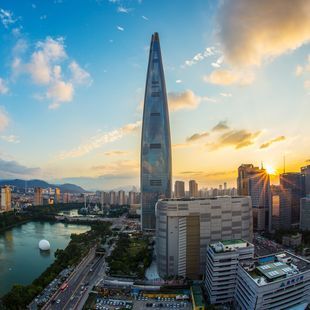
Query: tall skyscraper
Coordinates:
[255,182]
[306,180]
[38,196]
[155,143]
[121,197]
[6,199]
[57,195]
[193,188]
[292,182]
[179,189]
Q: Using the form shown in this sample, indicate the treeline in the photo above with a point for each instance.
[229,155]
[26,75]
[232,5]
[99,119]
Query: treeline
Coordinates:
[42,213]
[131,256]
[21,295]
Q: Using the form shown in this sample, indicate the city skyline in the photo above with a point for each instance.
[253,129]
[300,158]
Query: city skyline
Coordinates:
[71,91]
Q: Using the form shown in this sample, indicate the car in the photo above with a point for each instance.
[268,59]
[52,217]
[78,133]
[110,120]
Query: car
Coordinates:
[58,301]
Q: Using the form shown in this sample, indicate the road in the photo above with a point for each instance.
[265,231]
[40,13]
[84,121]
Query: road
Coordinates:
[89,271]
[74,283]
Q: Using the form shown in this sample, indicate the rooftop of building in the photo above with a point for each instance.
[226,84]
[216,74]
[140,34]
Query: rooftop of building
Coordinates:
[201,198]
[230,245]
[267,269]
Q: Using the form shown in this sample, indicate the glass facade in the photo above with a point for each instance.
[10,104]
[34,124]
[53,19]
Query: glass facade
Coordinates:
[155,141]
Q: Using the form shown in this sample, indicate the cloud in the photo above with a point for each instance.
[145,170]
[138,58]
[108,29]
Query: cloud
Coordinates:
[99,140]
[218,62]
[48,52]
[144,17]
[197,136]
[7,18]
[10,169]
[229,77]
[117,167]
[209,51]
[46,69]
[254,31]
[79,75]
[59,92]
[185,100]
[307,84]
[220,126]
[120,28]
[235,138]
[122,9]
[206,175]
[115,153]
[4,119]
[226,95]
[10,139]
[3,87]
[268,143]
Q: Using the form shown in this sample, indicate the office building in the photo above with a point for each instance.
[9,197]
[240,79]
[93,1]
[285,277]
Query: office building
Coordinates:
[179,189]
[132,198]
[193,189]
[113,198]
[305,213]
[185,227]
[155,141]
[121,198]
[255,182]
[273,282]
[280,208]
[57,195]
[292,181]
[38,196]
[6,200]
[221,268]
[305,171]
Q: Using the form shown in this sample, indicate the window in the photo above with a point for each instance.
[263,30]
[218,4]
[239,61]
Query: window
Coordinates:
[155,146]
[155,114]
[155,94]
[155,182]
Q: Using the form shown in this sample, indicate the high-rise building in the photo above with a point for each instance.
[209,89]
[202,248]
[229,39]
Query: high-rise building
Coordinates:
[38,196]
[121,197]
[6,200]
[292,182]
[179,189]
[113,197]
[280,281]
[132,198]
[57,195]
[305,171]
[305,213]
[221,268]
[281,215]
[255,182]
[155,141]
[193,189]
[185,227]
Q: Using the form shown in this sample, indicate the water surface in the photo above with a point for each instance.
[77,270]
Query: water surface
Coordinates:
[21,261]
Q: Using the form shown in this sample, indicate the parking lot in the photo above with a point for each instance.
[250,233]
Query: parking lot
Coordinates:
[109,303]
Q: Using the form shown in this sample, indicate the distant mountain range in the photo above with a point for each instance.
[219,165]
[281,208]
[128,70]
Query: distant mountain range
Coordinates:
[64,188]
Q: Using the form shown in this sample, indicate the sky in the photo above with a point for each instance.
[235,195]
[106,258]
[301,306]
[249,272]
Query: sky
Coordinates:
[72,78]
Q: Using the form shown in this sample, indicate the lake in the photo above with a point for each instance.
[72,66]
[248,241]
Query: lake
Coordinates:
[21,261]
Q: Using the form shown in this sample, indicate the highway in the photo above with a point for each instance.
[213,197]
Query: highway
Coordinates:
[91,269]
[61,298]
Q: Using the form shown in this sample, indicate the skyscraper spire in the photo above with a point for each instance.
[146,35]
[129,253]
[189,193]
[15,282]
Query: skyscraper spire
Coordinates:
[155,141]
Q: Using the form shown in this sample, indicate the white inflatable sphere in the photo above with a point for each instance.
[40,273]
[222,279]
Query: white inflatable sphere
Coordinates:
[44,245]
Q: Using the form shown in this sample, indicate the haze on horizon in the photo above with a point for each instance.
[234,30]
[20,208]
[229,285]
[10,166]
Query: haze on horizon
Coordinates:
[72,78]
